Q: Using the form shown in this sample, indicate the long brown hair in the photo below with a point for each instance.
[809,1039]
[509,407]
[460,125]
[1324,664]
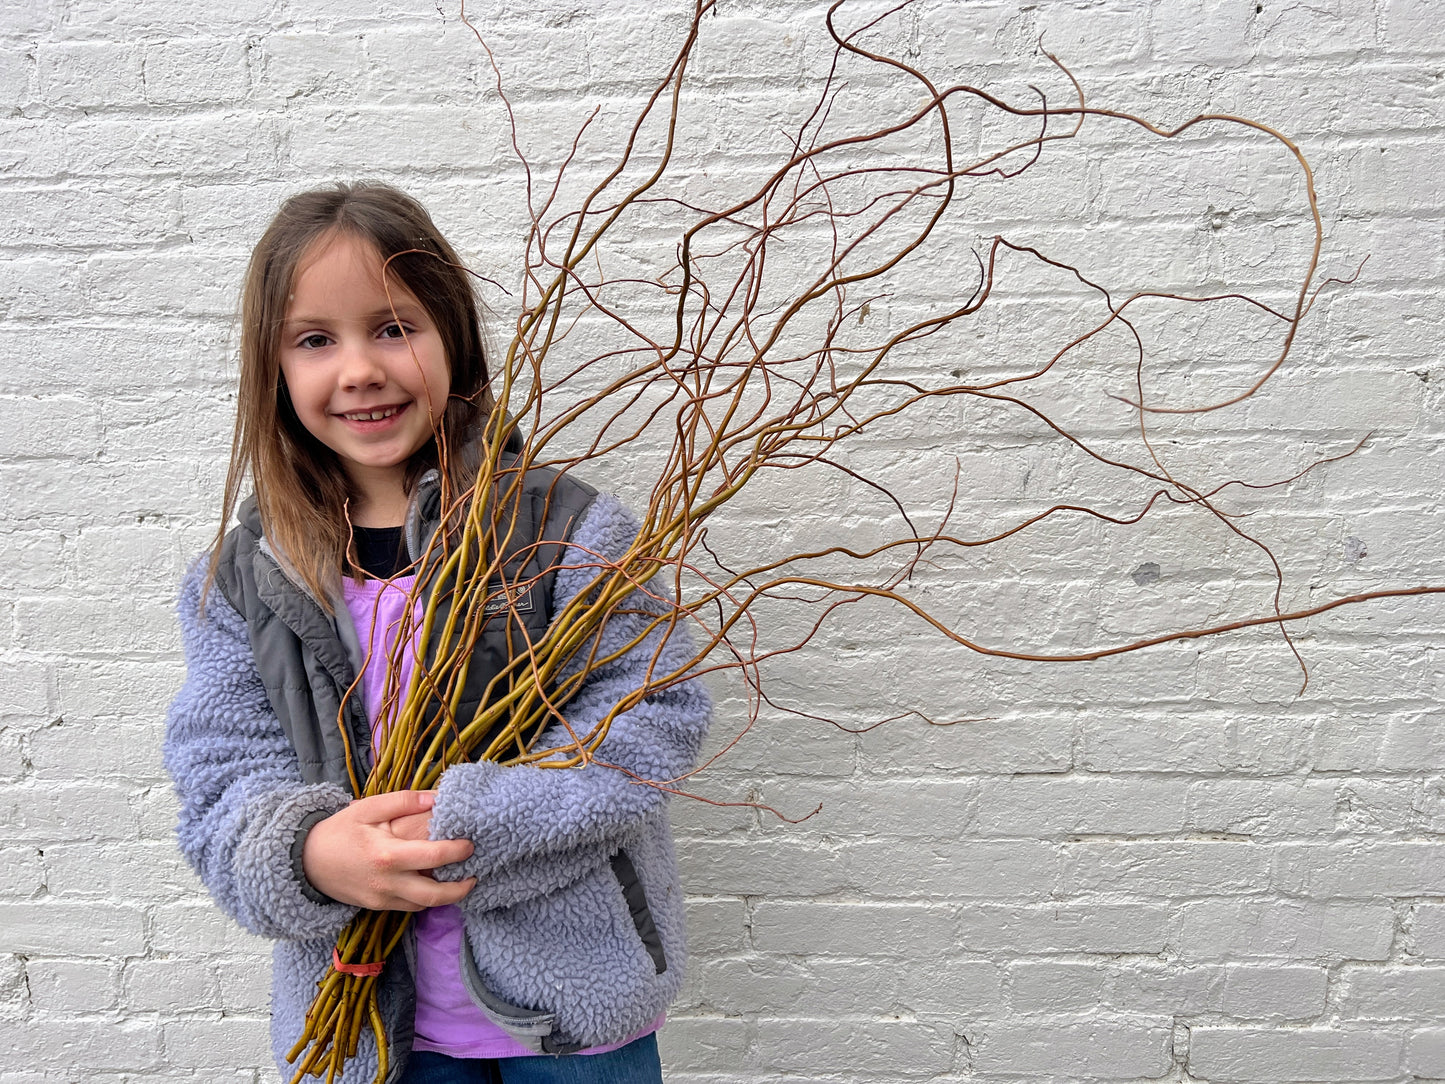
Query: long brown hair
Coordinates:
[301,489]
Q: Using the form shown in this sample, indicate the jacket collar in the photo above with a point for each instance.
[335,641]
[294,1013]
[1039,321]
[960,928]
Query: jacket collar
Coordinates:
[423,515]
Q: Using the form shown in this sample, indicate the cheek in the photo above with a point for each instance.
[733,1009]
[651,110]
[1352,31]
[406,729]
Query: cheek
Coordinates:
[439,376]
[293,386]
[307,395]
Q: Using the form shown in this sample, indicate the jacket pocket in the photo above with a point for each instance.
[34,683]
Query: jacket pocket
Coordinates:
[534,1029]
[626,874]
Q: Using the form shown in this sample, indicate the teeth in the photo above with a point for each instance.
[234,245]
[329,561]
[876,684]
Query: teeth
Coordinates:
[371,415]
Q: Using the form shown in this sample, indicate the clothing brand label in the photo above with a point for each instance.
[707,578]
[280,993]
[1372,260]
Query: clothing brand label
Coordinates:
[501,601]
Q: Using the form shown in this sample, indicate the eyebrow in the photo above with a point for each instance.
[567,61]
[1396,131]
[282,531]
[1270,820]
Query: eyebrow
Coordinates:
[401,310]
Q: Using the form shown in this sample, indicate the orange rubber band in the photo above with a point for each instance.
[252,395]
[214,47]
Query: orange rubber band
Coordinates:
[366,971]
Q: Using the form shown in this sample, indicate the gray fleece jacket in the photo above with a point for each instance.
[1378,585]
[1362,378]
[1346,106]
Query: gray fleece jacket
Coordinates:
[575,928]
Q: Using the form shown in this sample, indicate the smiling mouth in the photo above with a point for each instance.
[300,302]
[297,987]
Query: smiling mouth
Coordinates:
[372,415]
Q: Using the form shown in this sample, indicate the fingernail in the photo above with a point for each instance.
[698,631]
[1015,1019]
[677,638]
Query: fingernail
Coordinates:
[428,798]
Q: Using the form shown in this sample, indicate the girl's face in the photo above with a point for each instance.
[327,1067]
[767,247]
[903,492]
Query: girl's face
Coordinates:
[367,372]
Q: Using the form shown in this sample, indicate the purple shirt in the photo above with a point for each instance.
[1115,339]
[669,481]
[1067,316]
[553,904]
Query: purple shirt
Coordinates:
[447,1020]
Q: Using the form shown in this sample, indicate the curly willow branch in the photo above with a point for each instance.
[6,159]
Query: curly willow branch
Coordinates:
[741,359]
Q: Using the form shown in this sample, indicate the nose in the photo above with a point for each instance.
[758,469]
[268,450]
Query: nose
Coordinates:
[360,367]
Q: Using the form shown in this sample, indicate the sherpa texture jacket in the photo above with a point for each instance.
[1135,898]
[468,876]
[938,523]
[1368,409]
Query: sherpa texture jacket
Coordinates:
[576,924]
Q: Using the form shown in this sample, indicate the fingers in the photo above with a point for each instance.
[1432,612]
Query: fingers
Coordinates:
[372,852]
[392,805]
[400,879]
[416,892]
[415,826]
[409,856]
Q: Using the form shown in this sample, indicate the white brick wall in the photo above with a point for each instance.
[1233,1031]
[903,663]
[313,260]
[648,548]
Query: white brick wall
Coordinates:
[1166,865]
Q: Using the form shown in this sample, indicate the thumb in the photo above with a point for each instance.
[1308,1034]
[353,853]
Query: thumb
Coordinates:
[393,804]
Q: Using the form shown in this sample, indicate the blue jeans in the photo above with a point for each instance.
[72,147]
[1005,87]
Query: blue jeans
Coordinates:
[635,1063]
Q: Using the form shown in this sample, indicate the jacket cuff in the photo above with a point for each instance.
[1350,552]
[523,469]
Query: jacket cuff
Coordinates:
[269,856]
[508,868]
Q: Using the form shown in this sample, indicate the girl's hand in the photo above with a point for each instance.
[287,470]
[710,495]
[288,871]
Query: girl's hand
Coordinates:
[374,854]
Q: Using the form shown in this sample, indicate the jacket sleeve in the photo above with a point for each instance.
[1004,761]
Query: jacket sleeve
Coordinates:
[537,829]
[243,805]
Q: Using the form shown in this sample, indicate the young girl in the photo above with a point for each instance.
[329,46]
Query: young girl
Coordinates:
[550,937]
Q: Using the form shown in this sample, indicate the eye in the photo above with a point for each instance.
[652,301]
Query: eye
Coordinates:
[313,342]
[394,331]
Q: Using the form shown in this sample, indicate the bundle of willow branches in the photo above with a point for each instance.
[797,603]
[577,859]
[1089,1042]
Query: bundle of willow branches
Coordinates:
[737,360]
[459,592]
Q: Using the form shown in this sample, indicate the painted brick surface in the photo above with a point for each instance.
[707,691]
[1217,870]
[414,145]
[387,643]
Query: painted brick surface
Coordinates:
[1167,865]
